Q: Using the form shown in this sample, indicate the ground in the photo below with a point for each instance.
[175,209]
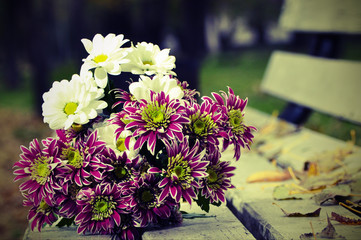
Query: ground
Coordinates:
[16,128]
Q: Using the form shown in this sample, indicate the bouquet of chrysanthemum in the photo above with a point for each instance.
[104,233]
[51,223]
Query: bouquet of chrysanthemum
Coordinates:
[118,167]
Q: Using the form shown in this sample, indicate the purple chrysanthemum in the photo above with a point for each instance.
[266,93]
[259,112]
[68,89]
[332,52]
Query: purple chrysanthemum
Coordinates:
[43,212]
[66,199]
[42,166]
[124,97]
[161,118]
[101,209]
[238,133]
[189,94]
[83,160]
[128,229]
[204,125]
[119,169]
[218,180]
[185,166]
[145,200]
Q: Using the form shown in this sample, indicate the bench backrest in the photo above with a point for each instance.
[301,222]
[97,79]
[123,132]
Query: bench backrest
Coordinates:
[314,81]
[336,16]
[326,85]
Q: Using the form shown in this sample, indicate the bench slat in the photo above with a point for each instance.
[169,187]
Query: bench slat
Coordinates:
[322,16]
[221,225]
[325,85]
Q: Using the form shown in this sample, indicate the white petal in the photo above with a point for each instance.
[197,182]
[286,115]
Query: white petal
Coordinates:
[88,45]
[101,77]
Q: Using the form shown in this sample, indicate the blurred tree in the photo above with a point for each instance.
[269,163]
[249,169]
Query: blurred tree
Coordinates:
[257,13]
[41,48]
[11,18]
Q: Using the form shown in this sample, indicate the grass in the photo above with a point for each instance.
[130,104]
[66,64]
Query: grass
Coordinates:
[243,72]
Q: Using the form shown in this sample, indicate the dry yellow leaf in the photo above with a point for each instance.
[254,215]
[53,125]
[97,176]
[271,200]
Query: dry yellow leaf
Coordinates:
[269,176]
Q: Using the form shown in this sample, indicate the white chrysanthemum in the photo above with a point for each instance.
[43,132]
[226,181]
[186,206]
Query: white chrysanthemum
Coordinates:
[105,55]
[147,58]
[141,89]
[106,133]
[75,101]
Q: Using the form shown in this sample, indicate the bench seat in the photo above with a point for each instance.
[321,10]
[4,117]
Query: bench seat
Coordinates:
[253,204]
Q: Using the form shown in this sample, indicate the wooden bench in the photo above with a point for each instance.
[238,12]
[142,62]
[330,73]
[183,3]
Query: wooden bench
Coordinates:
[219,223]
[308,82]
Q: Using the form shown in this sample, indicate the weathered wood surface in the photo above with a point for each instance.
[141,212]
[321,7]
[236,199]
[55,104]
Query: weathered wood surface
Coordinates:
[253,202]
[325,85]
[55,233]
[221,224]
[343,16]
[224,225]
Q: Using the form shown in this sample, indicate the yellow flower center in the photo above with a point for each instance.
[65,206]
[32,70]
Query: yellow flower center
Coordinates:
[77,127]
[70,108]
[40,170]
[121,144]
[148,62]
[100,58]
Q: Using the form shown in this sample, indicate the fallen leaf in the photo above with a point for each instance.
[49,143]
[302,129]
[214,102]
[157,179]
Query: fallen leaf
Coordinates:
[269,176]
[290,192]
[345,220]
[329,232]
[331,192]
[323,180]
[315,213]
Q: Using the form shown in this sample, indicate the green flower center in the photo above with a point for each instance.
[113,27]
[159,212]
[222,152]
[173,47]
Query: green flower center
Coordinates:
[120,172]
[73,156]
[199,126]
[236,120]
[156,116]
[215,178]
[212,176]
[100,58]
[121,144]
[103,208]
[73,191]
[147,196]
[40,170]
[43,207]
[180,167]
[202,125]
[179,171]
[70,108]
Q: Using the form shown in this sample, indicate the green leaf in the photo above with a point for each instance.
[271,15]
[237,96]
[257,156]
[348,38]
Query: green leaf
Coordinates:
[196,215]
[65,222]
[203,202]
[217,203]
